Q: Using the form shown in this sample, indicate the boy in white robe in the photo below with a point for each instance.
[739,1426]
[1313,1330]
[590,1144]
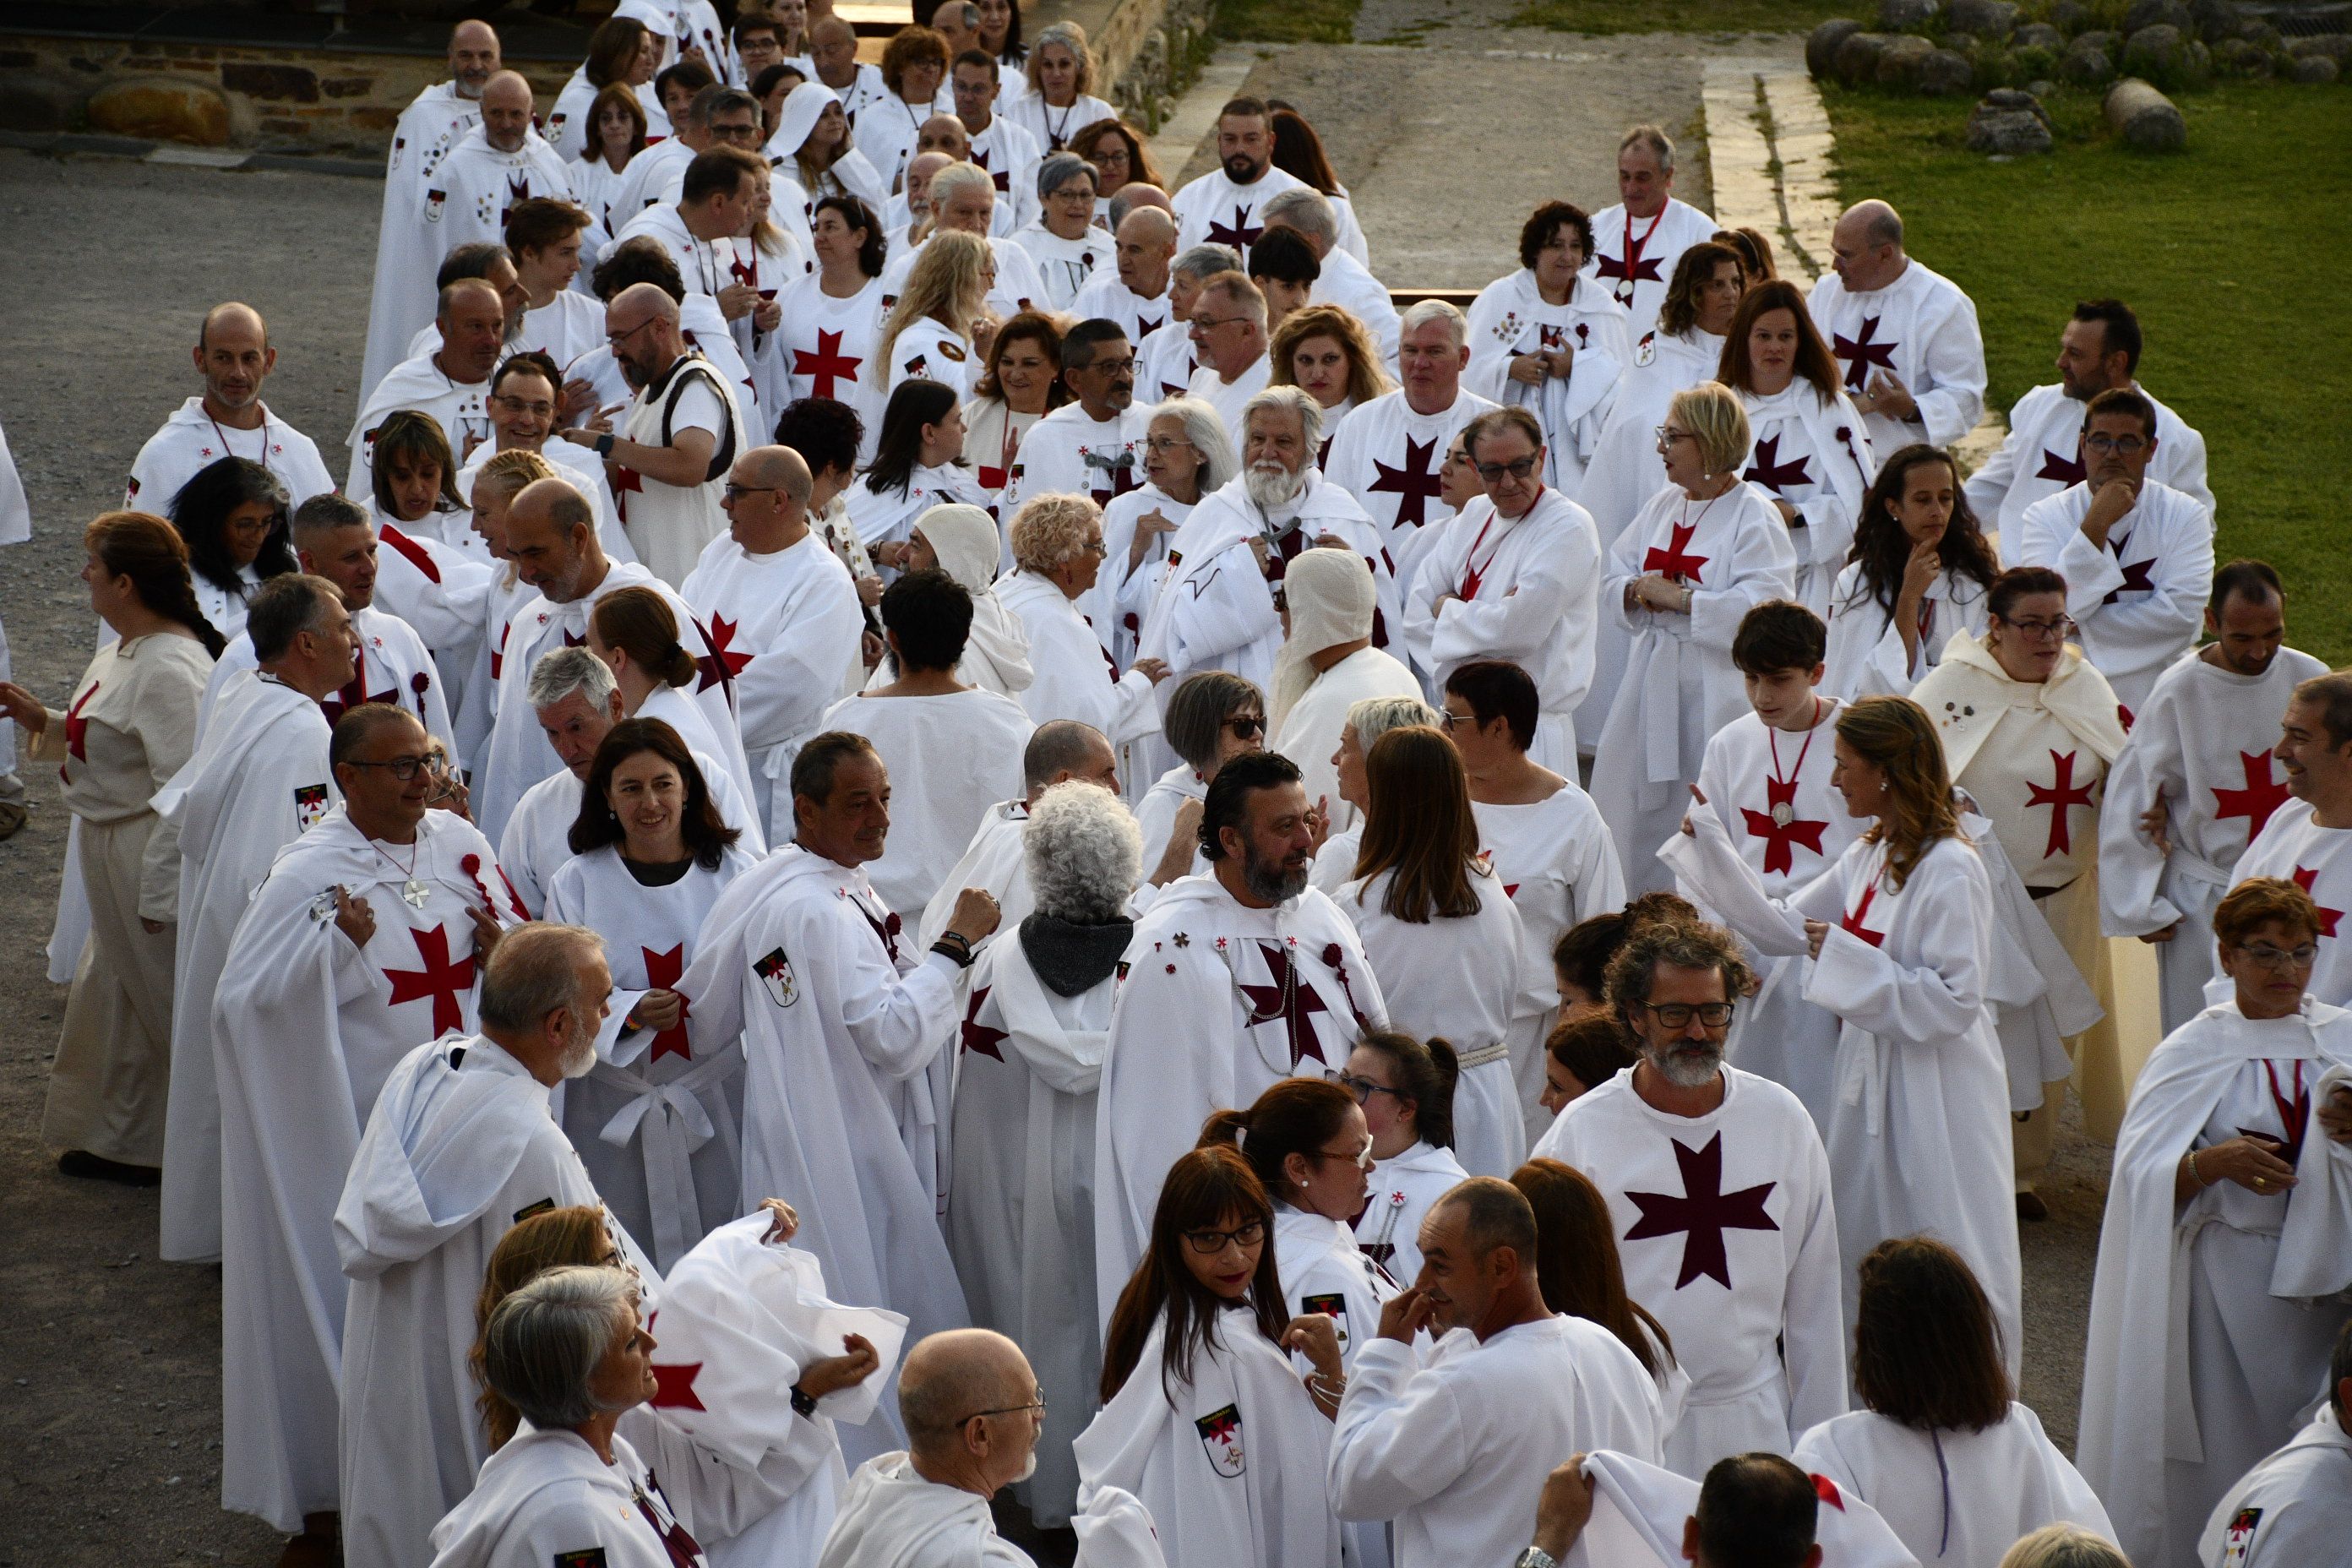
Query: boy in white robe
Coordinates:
[1907,336]
[233,356]
[2309,838]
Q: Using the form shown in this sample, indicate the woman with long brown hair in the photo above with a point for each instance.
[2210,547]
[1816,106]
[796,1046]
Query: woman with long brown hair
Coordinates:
[1441,932]
[623,53]
[1120,157]
[129,726]
[1327,354]
[1581,1276]
[635,631]
[1900,931]
[1198,1393]
[1022,384]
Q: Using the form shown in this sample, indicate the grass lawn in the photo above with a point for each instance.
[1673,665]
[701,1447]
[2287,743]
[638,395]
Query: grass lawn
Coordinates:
[2222,250]
[1287,21]
[1688,15]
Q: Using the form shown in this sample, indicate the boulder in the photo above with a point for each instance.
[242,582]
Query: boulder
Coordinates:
[2158,12]
[2239,58]
[2086,67]
[2337,47]
[2107,43]
[1856,61]
[1902,60]
[2004,129]
[1985,18]
[2217,19]
[2262,35]
[1945,73]
[2033,63]
[2038,35]
[162,109]
[1900,15]
[2041,89]
[2145,118]
[1821,44]
[2161,54]
[2315,70]
[31,101]
[2069,17]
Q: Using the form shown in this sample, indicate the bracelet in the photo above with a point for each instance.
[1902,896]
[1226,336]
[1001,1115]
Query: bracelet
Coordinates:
[953,945]
[2192,1169]
[1334,1389]
[604,444]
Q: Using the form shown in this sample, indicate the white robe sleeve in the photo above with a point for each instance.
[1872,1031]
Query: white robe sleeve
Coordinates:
[1955,362]
[1226,608]
[2131,869]
[166,723]
[1714,871]
[2136,635]
[1554,591]
[785,691]
[1488,372]
[1940,998]
[1399,1440]
[1989,485]
[896,1022]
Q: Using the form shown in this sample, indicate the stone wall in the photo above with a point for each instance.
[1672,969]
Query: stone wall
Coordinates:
[1146,49]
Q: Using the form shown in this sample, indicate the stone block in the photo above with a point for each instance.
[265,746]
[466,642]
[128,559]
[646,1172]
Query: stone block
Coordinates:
[346,86]
[1945,73]
[1821,44]
[2038,35]
[2162,54]
[2107,43]
[1897,15]
[32,101]
[1903,59]
[1856,60]
[272,83]
[162,110]
[1985,18]
[2313,70]
[2005,130]
[2145,118]
[2239,58]
[2086,67]
[2158,12]
[374,119]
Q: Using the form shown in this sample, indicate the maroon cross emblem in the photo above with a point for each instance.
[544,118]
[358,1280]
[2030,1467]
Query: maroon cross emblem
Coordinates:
[674,1385]
[885,929]
[1852,924]
[2066,470]
[1778,858]
[828,365]
[1767,469]
[2135,574]
[441,978]
[1145,328]
[1241,234]
[77,727]
[1674,561]
[1702,1214]
[1860,353]
[977,1036]
[724,663]
[2304,876]
[663,971]
[1001,178]
[1643,271]
[2261,795]
[1414,483]
[517,190]
[625,479]
[2059,793]
[1290,998]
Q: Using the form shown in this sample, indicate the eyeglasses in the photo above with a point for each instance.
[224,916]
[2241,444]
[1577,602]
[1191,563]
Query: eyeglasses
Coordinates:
[1094,547]
[1038,1404]
[1678,1015]
[615,340]
[1164,443]
[1246,728]
[1109,155]
[1667,435]
[2042,631]
[737,492]
[1360,1158]
[1071,194]
[2121,445]
[1519,470]
[2270,957]
[1203,325]
[401,768]
[1209,1243]
[1447,719]
[1363,1088]
[518,406]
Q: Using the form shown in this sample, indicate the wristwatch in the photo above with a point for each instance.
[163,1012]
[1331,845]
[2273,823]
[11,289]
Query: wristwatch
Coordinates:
[803,1405]
[604,444]
[1535,1557]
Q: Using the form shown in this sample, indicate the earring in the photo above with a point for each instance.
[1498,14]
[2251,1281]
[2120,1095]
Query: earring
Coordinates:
[1302,1181]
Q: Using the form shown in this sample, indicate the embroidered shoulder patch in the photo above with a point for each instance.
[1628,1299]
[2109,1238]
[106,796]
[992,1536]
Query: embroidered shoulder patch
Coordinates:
[775,972]
[589,1557]
[542,1206]
[310,804]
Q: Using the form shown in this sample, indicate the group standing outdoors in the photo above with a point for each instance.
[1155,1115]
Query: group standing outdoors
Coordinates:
[935,836]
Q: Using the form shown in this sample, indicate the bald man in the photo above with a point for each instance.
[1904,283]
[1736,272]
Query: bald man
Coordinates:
[1904,337]
[499,163]
[1008,151]
[1133,194]
[232,357]
[427,131]
[783,616]
[451,383]
[1135,294]
[833,49]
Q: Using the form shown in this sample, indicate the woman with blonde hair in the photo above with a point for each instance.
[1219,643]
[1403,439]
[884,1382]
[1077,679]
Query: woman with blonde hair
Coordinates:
[1708,548]
[635,631]
[1059,102]
[1899,930]
[1058,553]
[1326,352]
[1440,931]
[940,327]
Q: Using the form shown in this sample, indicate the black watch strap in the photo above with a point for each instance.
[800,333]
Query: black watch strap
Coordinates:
[801,1404]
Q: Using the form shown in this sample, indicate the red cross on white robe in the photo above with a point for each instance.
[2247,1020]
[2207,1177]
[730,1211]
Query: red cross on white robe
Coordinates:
[1415,482]
[724,662]
[1290,998]
[663,971]
[625,479]
[1241,234]
[2262,794]
[828,365]
[1854,922]
[1702,1214]
[443,979]
[2135,574]
[2066,470]
[1767,469]
[1860,353]
[77,727]
[2059,793]
[1778,856]
[1675,562]
[2304,876]
[979,1037]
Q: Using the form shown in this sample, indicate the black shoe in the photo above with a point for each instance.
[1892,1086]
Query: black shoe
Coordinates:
[94,1168]
[2030,1207]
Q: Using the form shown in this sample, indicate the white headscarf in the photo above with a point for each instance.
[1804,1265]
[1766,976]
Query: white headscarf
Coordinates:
[795,119]
[965,539]
[1331,600]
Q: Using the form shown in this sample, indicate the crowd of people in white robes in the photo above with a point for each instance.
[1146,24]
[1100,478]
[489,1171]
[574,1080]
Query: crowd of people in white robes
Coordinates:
[937,838]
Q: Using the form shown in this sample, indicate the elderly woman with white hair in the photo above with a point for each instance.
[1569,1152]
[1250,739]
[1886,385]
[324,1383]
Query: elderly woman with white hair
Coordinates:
[1057,551]
[1019,1217]
[960,541]
[1367,721]
[1062,239]
[1060,102]
[1549,340]
[1328,664]
[1187,454]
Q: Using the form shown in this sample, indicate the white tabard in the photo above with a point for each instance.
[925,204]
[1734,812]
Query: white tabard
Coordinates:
[546,1496]
[1309,733]
[458,408]
[2294,1507]
[1072,453]
[1164,362]
[1386,456]
[1216,1003]
[2201,743]
[1921,1085]
[787,626]
[1180,1443]
[1524,589]
[1457,977]
[1075,676]
[1751,771]
[468,197]
[428,128]
[2202,1352]
[1511,317]
[1349,284]
[2044,455]
[669,524]
[192,440]
[1727,1236]
[1402,1189]
[1105,298]
[1679,685]
[1065,265]
[258,778]
[829,342]
[1866,656]
[891,1517]
[655,1120]
[1010,155]
[307,1028]
[1953,1495]
[1558,863]
[394,668]
[2139,600]
[1229,398]
[1121,600]
[536,840]
[1324,1271]
[1919,328]
[1017,288]
[1451,1449]
[461,607]
[577,465]
[1633,259]
[1052,128]
[948,757]
[1213,210]
[887,516]
[2292,844]
[1810,451]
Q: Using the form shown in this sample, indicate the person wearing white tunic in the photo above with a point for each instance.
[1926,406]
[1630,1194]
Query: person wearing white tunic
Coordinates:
[1167,356]
[1956,1467]
[1720,1193]
[450,383]
[525,402]
[1553,343]
[1009,399]
[1767,776]
[1387,452]
[1212,718]
[1020,1215]
[1093,446]
[1638,243]
[496,164]
[1609,1508]
[1186,456]
[258,778]
[914,67]
[1328,664]
[1908,337]
[363,940]
[1708,548]
[1063,240]
[1344,281]
[1197,1392]
[1236,980]
[1921,569]
[980,87]
[1220,207]
[919,464]
[2195,782]
[2205,1339]
[233,356]
[1227,331]
[1900,933]
[619,50]
[783,616]
[1450,1447]
[1060,102]
[1058,546]
[2099,349]
[1406,1088]
[1367,718]
[1133,291]
[2137,556]
[1515,577]
[1555,858]
[2310,838]
[833,317]
[1441,934]
[2296,1505]
[635,631]
[435,122]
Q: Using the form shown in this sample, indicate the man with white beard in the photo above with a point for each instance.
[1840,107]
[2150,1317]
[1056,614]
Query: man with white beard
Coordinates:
[258,778]
[1134,292]
[426,131]
[1092,445]
[228,420]
[1166,356]
[500,163]
[1636,243]
[450,383]
[1908,337]
[1217,609]
[1228,331]
[2099,349]
[1388,452]
[1344,280]
[1223,206]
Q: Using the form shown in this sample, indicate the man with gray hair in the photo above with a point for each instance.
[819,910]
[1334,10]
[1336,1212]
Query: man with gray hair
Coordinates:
[461,1145]
[1905,337]
[1220,610]
[963,197]
[1092,445]
[1164,356]
[1636,243]
[500,161]
[1387,451]
[1228,330]
[1345,281]
[1063,238]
